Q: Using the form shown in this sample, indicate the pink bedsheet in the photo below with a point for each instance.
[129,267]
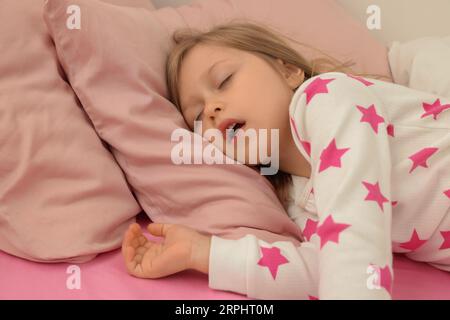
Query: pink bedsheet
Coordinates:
[106,278]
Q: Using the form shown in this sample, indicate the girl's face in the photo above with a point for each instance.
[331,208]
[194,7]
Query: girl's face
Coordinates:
[221,86]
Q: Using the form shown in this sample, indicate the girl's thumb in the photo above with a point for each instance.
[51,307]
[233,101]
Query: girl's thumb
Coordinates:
[158,229]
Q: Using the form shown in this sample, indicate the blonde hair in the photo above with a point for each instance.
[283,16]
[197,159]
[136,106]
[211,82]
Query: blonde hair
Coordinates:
[257,39]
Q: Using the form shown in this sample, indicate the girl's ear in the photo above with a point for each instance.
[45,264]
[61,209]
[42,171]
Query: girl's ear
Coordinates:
[293,75]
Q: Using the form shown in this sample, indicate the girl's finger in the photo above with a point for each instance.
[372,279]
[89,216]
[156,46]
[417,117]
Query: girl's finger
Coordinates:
[135,228]
[133,266]
[131,238]
[130,263]
[142,240]
[158,229]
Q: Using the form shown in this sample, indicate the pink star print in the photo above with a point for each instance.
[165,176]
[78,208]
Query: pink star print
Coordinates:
[306,145]
[331,156]
[434,109]
[371,117]
[362,80]
[272,258]
[385,277]
[414,243]
[329,231]
[394,203]
[390,130]
[310,228]
[446,243]
[317,86]
[375,194]
[312,298]
[420,158]
[294,126]
[447,193]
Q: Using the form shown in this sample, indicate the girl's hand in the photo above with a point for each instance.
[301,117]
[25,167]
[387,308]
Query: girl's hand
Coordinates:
[182,248]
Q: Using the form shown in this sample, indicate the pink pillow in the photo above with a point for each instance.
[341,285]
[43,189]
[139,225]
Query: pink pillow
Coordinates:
[117,71]
[62,195]
[147,4]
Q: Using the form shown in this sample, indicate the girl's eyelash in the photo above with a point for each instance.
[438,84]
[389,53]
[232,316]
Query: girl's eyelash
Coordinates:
[223,82]
[220,86]
[197,118]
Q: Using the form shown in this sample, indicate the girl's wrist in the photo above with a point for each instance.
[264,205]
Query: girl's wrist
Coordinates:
[201,245]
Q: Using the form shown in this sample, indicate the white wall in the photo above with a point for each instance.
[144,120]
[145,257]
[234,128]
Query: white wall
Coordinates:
[404,20]
[401,20]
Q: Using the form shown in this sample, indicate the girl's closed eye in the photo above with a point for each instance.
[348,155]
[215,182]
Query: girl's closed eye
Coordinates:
[224,81]
[199,115]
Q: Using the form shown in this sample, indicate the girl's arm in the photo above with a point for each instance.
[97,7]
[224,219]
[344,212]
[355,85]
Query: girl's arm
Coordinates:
[345,125]
[261,270]
[248,266]
[264,271]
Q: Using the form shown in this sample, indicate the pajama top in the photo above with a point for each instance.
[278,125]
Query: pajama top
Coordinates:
[380,183]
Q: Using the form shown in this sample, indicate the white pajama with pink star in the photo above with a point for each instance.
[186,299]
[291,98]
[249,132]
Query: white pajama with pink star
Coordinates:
[380,183]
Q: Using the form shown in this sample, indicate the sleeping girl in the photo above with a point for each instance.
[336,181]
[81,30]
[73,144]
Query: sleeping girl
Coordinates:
[364,170]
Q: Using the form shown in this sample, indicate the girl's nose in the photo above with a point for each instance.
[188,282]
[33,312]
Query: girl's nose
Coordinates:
[212,109]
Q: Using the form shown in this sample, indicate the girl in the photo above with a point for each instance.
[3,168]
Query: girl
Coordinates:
[366,164]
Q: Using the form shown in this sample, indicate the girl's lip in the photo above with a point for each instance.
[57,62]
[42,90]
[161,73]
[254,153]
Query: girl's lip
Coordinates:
[223,126]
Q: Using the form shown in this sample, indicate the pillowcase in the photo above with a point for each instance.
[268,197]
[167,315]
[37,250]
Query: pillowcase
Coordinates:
[147,4]
[422,64]
[117,71]
[62,195]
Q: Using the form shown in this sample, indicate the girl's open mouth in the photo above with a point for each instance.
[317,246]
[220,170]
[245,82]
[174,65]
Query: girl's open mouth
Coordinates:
[232,130]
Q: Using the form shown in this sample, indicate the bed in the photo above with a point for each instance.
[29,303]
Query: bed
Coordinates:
[105,277]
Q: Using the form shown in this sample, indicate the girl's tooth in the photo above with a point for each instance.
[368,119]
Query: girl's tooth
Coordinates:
[231,134]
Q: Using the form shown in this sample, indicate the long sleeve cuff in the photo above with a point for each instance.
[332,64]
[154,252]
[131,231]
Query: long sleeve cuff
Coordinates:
[227,264]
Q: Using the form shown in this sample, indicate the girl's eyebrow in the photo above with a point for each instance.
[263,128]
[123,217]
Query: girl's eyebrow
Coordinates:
[215,64]
[208,72]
